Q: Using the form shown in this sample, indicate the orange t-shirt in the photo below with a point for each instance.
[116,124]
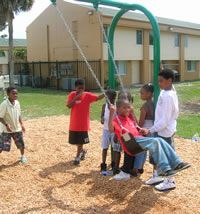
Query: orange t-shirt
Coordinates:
[80,111]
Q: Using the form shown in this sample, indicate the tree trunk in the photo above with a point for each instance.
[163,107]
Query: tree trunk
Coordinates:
[10,51]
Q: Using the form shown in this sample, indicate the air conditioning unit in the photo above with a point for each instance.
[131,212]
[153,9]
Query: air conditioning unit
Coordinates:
[65,83]
[68,83]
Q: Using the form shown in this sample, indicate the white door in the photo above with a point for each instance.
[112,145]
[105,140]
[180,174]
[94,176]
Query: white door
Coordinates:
[135,67]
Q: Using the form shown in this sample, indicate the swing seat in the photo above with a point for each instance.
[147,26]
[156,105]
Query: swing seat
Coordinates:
[130,144]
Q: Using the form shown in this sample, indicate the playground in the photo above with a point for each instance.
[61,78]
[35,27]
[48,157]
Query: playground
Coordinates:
[50,183]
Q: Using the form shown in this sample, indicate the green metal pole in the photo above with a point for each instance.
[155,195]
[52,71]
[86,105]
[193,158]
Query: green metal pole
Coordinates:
[156,45]
[156,34]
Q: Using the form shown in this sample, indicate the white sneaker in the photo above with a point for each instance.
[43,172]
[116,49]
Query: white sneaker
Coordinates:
[23,159]
[166,185]
[122,176]
[154,180]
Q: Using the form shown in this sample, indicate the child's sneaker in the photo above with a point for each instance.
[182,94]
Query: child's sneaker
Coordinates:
[76,161]
[166,185]
[23,159]
[122,176]
[182,166]
[154,180]
[83,154]
[104,169]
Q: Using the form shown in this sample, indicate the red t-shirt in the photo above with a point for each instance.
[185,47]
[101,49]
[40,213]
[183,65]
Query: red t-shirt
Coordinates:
[80,111]
[129,125]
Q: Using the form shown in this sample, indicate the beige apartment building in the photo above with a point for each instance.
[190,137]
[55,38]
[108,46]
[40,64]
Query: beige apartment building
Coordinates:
[48,40]
[4,46]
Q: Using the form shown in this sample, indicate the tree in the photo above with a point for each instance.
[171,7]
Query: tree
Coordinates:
[20,54]
[10,8]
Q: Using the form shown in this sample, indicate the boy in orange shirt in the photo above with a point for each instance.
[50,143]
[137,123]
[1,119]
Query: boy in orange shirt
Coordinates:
[79,102]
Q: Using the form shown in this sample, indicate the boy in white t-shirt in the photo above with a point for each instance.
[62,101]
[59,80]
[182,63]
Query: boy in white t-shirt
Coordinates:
[11,124]
[166,113]
[107,136]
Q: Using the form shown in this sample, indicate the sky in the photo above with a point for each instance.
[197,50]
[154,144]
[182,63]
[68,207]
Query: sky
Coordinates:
[174,9]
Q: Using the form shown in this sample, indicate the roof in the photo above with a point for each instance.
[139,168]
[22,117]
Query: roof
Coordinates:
[16,42]
[109,11]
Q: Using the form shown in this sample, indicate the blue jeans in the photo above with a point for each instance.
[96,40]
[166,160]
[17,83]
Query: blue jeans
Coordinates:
[139,160]
[162,153]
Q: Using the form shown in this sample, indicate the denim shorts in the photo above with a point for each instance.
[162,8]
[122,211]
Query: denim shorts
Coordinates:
[107,139]
[116,145]
[5,140]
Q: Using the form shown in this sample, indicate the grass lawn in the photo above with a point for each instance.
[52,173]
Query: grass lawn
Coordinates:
[43,102]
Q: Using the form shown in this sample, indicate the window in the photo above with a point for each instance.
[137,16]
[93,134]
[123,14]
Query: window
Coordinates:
[191,66]
[186,41]
[139,37]
[151,38]
[2,54]
[177,40]
[122,68]
[106,29]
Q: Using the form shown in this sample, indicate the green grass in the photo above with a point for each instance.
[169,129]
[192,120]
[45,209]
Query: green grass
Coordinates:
[43,102]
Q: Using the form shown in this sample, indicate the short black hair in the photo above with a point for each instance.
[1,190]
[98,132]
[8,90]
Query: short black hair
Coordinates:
[79,82]
[9,89]
[111,93]
[167,74]
[148,87]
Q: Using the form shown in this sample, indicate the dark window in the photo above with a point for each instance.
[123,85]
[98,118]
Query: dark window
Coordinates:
[139,37]
[2,54]
[151,37]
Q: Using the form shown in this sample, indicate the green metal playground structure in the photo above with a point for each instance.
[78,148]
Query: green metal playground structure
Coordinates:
[125,7]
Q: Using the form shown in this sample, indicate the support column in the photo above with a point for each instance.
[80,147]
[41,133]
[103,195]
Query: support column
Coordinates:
[182,57]
[145,73]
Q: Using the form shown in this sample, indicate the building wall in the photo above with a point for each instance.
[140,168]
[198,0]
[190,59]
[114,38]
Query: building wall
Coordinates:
[53,42]
[126,50]
[168,51]
[192,51]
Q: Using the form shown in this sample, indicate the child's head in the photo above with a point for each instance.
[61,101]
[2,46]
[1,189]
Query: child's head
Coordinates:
[146,91]
[80,85]
[11,93]
[165,79]
[111,94]
[125,95]
[123,107]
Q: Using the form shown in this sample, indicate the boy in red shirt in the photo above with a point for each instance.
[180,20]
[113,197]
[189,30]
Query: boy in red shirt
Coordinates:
[79,102]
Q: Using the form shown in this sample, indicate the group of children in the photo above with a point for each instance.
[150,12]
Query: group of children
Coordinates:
[121,129]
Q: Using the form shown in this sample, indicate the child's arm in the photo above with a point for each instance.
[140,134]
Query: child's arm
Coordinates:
[22,125]
[100,97]
[70,103]
[111,117]
[6,125]
[102,113]
[142,117]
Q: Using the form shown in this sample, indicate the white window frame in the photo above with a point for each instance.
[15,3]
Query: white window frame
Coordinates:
[122,67]
[191,66]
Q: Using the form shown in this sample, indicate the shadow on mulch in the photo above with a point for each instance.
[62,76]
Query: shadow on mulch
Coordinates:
[61,167]
[110,189]
[2,167]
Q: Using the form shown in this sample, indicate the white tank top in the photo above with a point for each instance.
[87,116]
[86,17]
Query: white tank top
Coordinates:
[106,117]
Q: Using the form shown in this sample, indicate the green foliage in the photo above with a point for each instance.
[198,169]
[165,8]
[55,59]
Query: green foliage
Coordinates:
[20,54]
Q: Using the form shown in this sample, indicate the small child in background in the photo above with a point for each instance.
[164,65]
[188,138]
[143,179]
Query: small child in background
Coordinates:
[147,109]
[12,125]
[145,121]
[107,137]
